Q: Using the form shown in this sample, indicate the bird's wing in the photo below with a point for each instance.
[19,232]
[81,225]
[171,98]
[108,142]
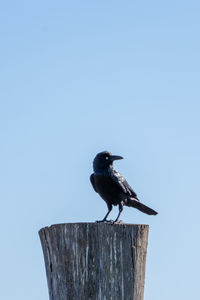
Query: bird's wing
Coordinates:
[121,181]
[92,181]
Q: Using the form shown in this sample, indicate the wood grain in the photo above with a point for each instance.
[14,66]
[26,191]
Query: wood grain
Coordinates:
[95,261]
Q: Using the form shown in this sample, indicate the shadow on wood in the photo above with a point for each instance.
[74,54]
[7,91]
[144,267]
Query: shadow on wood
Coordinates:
[95,261]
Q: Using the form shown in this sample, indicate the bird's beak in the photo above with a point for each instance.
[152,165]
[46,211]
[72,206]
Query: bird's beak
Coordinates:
[115,157]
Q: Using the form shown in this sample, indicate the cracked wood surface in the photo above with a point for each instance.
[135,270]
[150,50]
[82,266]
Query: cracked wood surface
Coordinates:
[95,261]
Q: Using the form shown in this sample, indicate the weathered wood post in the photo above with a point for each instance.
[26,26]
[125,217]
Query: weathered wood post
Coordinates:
[95,261]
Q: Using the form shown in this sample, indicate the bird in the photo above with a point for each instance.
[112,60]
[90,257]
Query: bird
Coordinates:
[113,187]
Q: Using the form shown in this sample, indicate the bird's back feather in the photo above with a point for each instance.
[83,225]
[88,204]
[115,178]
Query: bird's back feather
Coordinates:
[121,181]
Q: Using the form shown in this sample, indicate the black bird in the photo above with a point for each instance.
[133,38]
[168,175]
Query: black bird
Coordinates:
[113,187]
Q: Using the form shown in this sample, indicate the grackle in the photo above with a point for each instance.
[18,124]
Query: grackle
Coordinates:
[113,187]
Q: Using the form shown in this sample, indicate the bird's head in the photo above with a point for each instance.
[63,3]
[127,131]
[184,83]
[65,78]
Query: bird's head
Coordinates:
[103,160]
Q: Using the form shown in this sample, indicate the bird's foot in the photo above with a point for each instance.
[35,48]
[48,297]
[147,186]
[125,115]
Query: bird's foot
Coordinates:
[106,221]
[115,222]
[109,221]
[118,222]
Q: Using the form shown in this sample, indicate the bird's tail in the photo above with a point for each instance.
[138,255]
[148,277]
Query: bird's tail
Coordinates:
[137,204]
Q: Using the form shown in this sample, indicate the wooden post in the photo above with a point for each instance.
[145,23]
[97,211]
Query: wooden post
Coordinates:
[95,261]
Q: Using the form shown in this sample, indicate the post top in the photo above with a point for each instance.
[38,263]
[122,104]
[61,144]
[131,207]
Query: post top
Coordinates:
[95,224]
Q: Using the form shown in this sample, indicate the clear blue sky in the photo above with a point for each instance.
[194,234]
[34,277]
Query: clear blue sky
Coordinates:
[80,77]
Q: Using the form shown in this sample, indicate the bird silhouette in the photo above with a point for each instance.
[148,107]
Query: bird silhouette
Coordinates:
[113,187]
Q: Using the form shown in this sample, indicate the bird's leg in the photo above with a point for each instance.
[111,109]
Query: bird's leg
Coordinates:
[120,210]
[109,210]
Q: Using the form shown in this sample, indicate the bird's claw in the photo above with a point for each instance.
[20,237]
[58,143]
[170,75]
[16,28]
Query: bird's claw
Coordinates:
[118,222]
[106,221]
[109,221]
[115,222]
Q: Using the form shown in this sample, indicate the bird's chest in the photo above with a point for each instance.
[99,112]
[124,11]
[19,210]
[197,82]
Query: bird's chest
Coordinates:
[107,189]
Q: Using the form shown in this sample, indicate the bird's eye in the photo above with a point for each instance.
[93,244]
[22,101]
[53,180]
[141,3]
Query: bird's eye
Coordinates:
[107,157]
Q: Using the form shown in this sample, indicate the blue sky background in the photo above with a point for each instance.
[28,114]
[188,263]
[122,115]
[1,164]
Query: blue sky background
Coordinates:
[80,77]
